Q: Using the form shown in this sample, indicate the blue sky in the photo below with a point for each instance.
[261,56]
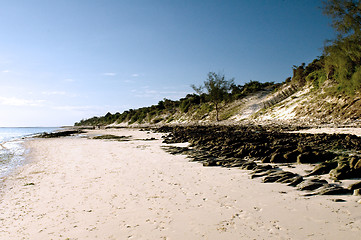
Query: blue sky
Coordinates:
[62,61]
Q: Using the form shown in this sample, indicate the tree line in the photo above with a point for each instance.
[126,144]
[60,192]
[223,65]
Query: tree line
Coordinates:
[218,91]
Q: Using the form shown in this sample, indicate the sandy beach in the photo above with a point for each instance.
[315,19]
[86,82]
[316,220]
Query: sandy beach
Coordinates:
[82,188]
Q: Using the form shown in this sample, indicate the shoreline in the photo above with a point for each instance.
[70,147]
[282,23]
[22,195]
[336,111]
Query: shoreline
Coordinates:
[80,188]
[13,148]
[13,157]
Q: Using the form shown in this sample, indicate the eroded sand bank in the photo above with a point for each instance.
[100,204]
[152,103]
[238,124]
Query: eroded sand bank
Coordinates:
[79,188]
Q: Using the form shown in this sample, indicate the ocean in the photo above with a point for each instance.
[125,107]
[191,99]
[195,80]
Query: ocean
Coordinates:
[12,150]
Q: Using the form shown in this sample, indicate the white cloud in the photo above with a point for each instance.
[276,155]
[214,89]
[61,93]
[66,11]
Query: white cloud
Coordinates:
[155,94]
[12,101]
[135,75]
[74,108]
[109,74]
[87,111]
[54,93]
[128,81]
[69,80]
[5,71]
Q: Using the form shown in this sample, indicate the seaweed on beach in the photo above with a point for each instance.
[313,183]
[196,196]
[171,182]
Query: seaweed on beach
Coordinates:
[112,137]
[63,133]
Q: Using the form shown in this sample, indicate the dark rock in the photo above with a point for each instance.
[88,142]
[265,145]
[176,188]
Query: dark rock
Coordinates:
[356,168]
[332,190]
[291,157]
[289,179]
[307,157]
[262,174]
[177,150]
[249,165]
[266,159]
[342,171]
[297,180]
[61,133]
[357,192]
[220,163]
[210,163]
[311,184]
[354,162]
[323,156]
[355,186]
[323,168]
[277,158]
[304,149]
[357,165]
[229,146]
[280,174]
[262,168]
[237,164]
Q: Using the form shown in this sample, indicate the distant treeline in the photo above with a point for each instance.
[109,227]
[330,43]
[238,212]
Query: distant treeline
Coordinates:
[167,108]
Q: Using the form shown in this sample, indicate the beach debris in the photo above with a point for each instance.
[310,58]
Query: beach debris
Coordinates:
[29,184]
[113,137]
[61,133]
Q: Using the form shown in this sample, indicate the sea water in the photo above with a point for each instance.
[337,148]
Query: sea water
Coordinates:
[12,150]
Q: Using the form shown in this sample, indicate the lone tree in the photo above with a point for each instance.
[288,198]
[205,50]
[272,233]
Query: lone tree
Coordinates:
[217,88]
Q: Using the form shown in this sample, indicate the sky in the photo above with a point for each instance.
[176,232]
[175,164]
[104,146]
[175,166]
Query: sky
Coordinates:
[63,61]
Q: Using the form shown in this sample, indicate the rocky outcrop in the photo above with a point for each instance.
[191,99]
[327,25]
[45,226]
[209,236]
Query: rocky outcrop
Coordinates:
[61,133]
[252,147]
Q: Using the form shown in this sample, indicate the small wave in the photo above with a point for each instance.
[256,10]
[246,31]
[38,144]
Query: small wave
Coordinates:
[11,156]
[12,150]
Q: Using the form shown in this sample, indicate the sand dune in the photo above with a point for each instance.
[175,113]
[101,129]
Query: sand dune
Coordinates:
[79,188]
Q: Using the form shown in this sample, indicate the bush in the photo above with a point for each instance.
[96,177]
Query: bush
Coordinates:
[317,78]
[184,106]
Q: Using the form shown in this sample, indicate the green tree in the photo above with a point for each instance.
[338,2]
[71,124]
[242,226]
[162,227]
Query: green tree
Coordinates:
[217,89]
[343,55]
[345,14]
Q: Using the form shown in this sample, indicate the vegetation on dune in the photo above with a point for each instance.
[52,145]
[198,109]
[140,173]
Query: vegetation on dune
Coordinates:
[343,55]
[195,106]
[339,64]
[341,59]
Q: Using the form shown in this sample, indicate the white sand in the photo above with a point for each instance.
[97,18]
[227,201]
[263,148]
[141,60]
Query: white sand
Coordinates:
[335,130]
[98,189]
